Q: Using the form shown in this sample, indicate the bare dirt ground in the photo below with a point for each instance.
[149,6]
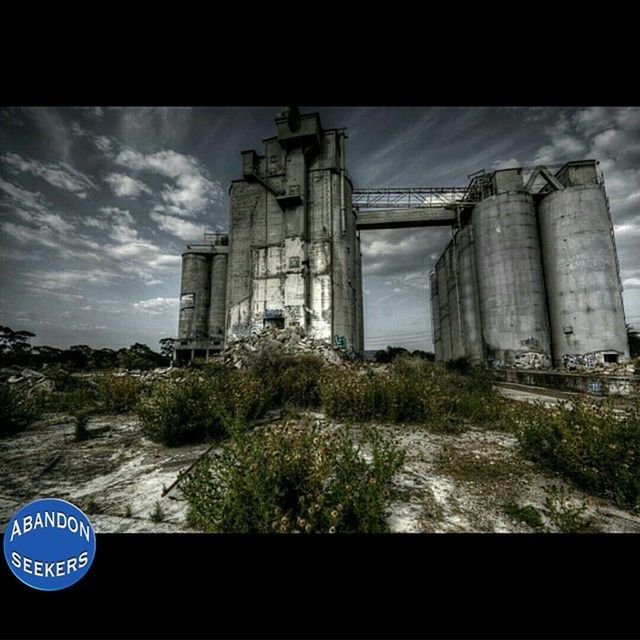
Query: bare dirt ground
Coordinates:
[449,483]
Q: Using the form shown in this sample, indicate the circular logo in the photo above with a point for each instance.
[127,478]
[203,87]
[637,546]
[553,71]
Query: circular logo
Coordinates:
[49,544]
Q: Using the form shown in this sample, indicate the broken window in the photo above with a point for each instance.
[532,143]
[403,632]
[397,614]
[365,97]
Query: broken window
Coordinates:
[187,301]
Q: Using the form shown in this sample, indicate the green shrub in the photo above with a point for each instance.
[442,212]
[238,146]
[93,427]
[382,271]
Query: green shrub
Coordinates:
[293,478]
[567,517]
[80,397]
[81,421]
[118,394]
[289,380]
[412,390]
[197,406]
[527,514]
[18,409]
[158,514]
[592,445]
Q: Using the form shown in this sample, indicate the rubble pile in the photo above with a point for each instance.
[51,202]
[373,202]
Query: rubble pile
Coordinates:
[590,364]
[33,380]
[290,341]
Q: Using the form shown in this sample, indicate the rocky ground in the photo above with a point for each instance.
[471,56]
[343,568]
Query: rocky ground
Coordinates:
[449,483]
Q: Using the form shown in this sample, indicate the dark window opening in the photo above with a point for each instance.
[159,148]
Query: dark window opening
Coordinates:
[611,357]
[274,322]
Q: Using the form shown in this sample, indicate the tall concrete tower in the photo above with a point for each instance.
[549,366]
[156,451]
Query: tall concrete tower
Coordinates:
[294,252]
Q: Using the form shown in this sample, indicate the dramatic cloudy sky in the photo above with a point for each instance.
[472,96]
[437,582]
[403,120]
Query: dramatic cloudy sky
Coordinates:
[97,203]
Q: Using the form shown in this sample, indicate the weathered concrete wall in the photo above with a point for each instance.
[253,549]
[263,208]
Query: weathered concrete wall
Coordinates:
[583,284]
[194,296]
[435,315]
[444,312]
[295,257]
[469,301]
[510,282]
[453,295]
[579,382]
[218,296]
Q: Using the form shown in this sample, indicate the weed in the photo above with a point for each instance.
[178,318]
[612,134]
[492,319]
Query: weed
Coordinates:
[118,394]
[590,444]
[201,405]
[128,513]
[527,514]
[563,514]
[294,478]
[81,420]
[92,506]
[18,409]
[158,514]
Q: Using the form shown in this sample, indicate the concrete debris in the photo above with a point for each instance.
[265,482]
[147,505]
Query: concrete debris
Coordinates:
[290,341]
[594,363]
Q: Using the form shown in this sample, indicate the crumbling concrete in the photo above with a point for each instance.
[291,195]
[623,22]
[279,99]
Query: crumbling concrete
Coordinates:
[291,341]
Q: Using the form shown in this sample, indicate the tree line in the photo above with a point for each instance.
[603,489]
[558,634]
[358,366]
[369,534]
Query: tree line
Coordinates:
[15,349]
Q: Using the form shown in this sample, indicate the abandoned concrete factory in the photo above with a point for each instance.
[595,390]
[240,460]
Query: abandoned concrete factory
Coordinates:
[529,279]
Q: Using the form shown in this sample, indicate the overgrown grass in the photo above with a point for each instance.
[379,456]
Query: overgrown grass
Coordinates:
[291,380]
[201,405]
[590,444]
[18,409]
[118,394]
[294,478]
[412,390]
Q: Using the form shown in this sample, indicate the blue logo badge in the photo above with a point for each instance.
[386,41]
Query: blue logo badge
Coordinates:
[49,544]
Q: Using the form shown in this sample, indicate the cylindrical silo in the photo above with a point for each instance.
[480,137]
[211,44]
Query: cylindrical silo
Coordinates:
[581,274]
[218,296]
[453,293]
[513,310]
[194,296]
[435,316]
[469,302]
[443,304]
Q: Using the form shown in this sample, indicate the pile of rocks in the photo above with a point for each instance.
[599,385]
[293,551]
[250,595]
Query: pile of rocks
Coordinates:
[33,380]
[290,341]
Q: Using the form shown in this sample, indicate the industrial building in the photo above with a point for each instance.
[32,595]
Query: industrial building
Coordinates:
[530,278]
[292,256]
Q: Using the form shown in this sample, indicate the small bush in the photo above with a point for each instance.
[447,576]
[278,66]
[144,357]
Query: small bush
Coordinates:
[118,394]
[18,409]
[158,514]
[81,397]
[293,478]
[567,517]
[81,421]
[592,445]
[201,405]
[92,506]
[289,380]
[527,514]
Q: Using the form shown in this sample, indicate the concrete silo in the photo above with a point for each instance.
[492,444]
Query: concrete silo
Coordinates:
[203,298]
[581,270]
[218,297]
[453,294]
[435,315]
[194,296]
[444,312]
[469,302]
[511,291]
